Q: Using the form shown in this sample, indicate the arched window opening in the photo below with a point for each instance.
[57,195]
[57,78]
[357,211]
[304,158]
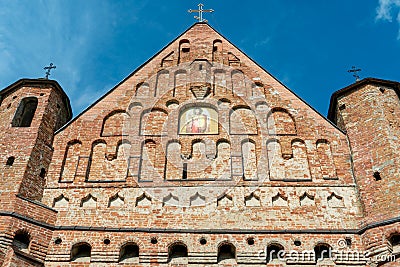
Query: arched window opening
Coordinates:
[129,253]
[226,252]
[25,112]
[10,161]
[274,252]
[322,252]
[395,243]
[21,240]
[81,252]
[178,253]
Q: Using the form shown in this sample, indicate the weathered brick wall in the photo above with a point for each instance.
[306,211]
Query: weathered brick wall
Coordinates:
[115,165]
[370,116]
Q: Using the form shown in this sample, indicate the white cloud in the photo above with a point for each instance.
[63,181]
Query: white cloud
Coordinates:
[388,9]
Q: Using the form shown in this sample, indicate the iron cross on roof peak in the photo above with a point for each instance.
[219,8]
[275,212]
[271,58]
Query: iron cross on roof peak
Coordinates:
[48,70]
[201,11]
[355,71]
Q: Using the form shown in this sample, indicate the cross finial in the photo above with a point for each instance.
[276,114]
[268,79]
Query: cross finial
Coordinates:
[201,11]
[355,71]
[48,70]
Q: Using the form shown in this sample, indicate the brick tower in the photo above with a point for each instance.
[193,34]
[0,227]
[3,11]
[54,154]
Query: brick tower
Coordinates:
[369,112]
[31,110]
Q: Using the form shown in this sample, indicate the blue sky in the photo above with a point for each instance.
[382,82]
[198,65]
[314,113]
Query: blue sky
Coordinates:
[308,45]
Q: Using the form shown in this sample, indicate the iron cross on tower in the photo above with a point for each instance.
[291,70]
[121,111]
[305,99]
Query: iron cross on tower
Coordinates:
[355,71]
[201,10]
[49,69]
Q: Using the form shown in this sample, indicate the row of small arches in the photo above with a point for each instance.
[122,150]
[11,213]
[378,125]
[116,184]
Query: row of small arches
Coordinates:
[239,85]
[216,157]
[152,122]
[252,200]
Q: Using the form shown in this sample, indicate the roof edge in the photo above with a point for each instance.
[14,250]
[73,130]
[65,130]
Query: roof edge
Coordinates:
[352,87]
[41,81]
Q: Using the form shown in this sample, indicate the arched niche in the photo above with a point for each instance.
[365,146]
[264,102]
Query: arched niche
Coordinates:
[276,163]
[81,252]
[242,120]
[60,202]
[174,162]
[180,82]
[219,82]
[249,160]
[280,122]
[152,122]
[221,165]
[226,253]
[109,167]
[129,253]
[115,123]
[217,55]
[184,51]
[297,167]
[198,166]
[148,157]
[178,254]
[238,83]
[70,161]
[198,120]
[162,83]
[325,158]
[21,240]
[143,89]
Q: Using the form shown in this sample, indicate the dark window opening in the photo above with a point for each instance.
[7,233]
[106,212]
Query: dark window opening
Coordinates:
[25,112]
[322,252]
[10,161]
[184,174]
[21,240]
[274,252]
[203,241]
[106,241]
[342,107]
[154,240]
[297,243]
[42,173]
[250,241]
[129,251]
[177,251]
[226,251]
[185,49]
[81,252]
[58,241]
[395,240]
[377,176]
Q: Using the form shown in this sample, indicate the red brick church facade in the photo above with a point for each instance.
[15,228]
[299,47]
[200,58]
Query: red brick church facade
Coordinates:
[200,157]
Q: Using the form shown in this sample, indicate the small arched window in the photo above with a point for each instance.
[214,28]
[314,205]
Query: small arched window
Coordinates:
[81,252]
[26,111]
[10,161]
[129,253]
[274,252]
[21,240]
[395,243]
[178,253]
[226,252]
[322,252]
